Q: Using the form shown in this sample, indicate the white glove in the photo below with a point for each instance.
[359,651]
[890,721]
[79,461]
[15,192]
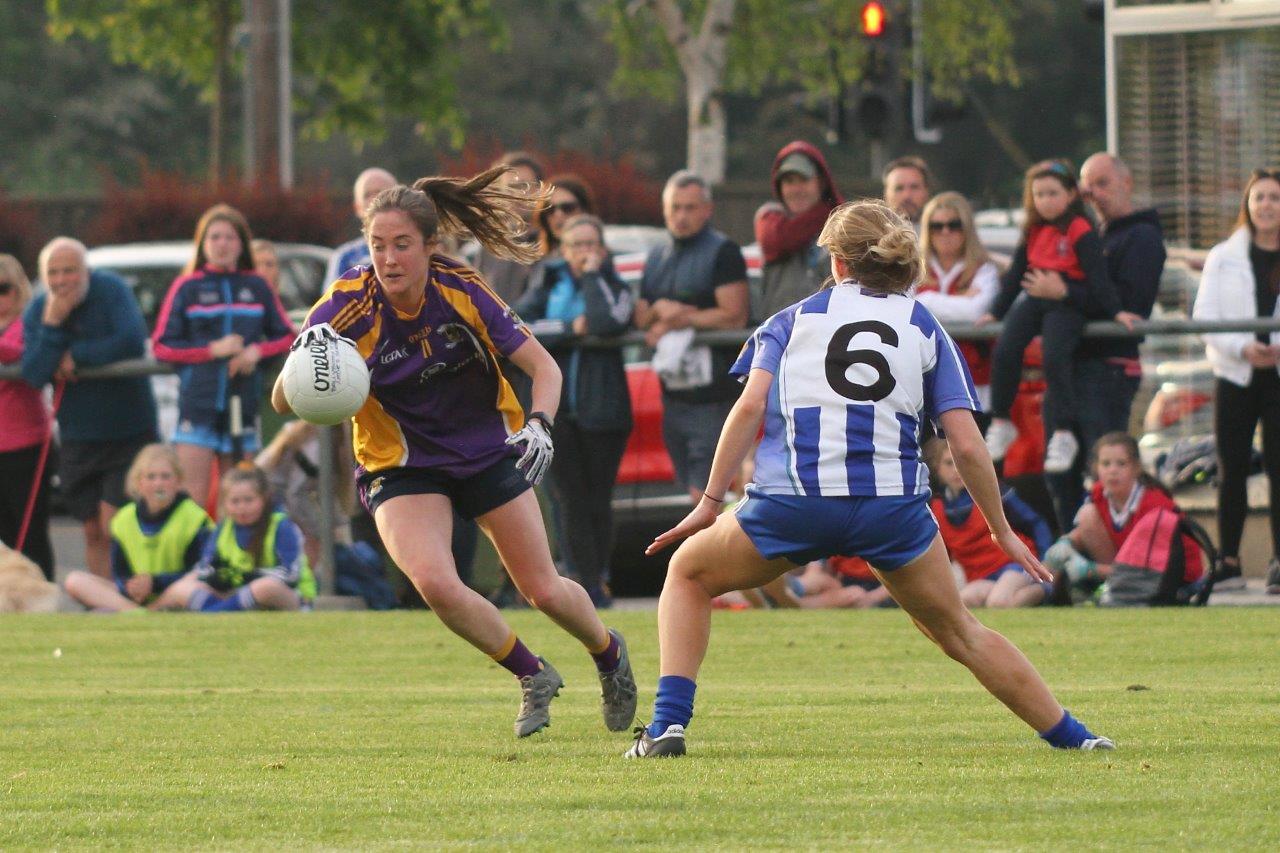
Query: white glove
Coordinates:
[537,450]
[319,332]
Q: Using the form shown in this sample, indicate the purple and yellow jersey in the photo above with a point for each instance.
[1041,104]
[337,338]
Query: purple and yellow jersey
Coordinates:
[436,397]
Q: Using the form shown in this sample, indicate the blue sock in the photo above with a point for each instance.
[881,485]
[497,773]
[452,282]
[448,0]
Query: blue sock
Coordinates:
[241,599]
[674,703]
[1069,733]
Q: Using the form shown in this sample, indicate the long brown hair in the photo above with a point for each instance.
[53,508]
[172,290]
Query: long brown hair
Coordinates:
[247,472]
[1244,220]
[577,188]
[482,206]
[1062,172]
[223,213]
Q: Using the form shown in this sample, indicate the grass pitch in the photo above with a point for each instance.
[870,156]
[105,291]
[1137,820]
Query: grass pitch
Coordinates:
[818,730]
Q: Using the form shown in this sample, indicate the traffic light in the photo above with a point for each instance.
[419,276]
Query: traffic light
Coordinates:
[871,20]
[875,109]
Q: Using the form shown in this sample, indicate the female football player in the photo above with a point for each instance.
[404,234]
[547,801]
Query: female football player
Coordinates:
[442,429]
[841,381]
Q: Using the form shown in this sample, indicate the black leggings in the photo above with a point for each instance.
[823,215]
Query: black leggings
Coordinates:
[582,474]
[1060,325]
[1235,418]
[17,472]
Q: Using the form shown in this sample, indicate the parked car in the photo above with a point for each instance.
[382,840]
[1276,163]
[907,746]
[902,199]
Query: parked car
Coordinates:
[149,269]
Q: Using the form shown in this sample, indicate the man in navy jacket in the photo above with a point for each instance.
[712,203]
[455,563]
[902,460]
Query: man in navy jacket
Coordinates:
[1107,370]
[89,319]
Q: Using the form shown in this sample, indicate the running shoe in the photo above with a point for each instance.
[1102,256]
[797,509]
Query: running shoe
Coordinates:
[1273,577]
[618,690]
[669,744]
[1098,743]
[1229,578]
[535,706]
[1000,435]
[1060,452]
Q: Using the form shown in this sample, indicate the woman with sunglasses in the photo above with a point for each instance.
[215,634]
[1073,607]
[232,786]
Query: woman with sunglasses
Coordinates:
[960,280]
[24,428]
[570,196]
[1240,281]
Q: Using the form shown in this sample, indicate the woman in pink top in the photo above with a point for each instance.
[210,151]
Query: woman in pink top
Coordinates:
[24,426]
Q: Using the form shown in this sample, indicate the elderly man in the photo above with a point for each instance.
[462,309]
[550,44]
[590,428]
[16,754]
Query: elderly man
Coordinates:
[354,253]
[89,319]
[1107,371]
[906,187]
[697,280]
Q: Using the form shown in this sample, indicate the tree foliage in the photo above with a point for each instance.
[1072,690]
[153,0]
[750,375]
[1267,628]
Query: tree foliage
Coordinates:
[814,45]
[357,63]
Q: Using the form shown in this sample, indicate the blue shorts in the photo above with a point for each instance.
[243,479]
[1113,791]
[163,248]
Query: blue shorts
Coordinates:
[211,439]
[888,532]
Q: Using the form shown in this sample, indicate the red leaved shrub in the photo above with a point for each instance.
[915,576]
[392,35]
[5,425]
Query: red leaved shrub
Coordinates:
[623,195]
[164,206]
[21,233]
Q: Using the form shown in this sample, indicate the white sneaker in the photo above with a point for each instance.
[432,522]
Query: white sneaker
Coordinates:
[1061,452]
[1097,743]
[1000,435]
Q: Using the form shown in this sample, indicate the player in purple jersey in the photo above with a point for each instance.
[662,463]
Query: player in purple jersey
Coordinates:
[442,429]
[841,381]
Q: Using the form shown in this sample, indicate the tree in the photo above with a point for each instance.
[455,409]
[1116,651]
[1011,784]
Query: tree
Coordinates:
[357,63]
[811,45]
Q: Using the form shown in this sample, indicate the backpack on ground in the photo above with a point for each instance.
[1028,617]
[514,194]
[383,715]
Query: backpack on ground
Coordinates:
[1150,568]
[360,571]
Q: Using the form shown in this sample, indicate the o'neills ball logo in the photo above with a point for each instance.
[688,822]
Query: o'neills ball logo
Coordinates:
[321,366]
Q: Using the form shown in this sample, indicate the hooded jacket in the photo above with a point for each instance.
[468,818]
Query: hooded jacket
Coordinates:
[794,266]
[1133,247]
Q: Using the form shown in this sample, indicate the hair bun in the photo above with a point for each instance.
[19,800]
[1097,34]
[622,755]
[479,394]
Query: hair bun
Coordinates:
[895,246]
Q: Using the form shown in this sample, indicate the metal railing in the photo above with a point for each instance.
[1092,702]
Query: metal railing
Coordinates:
[730,337]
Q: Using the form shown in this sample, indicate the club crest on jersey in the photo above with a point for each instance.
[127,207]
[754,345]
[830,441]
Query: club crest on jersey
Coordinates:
[245,294]
[1064,247]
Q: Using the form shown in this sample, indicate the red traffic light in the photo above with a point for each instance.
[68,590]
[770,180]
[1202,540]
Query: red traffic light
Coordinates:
[871,20]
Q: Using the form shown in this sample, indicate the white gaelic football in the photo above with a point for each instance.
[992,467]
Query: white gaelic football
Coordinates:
[325,378]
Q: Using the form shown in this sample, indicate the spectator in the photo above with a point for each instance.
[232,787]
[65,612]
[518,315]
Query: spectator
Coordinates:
[266,263]
[586,296]
[960,280]
[24,431]
[787,228]
[254,558]
[1240,280]
[355,253]
[570,196]
[155,539]
[1055,236]
[695,281]
[1106,373]
[509,278]
[291,462]
[89,319]
[991,580]
[1122,494]
[906,187]
[219,320]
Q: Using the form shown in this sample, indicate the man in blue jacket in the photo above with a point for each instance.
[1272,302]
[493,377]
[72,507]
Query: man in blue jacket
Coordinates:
[89,319]
[1107,370]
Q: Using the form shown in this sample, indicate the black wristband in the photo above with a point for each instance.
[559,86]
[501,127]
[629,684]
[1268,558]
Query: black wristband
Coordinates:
[708,497]
[542,416]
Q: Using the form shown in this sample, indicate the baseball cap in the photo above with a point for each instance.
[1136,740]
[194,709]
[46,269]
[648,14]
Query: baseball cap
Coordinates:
[798,163]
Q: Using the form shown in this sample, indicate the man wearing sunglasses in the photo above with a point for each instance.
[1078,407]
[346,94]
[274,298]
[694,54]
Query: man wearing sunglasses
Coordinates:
[1107,371]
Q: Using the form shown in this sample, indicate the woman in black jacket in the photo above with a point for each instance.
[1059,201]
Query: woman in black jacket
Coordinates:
[577,295]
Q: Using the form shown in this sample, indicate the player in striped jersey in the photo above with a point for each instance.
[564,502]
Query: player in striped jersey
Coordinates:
[441,428]
[842,381]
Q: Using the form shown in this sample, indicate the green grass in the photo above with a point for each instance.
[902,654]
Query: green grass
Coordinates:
[814,730]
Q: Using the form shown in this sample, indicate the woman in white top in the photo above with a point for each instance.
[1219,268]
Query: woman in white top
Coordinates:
[960,280]
[1240,281]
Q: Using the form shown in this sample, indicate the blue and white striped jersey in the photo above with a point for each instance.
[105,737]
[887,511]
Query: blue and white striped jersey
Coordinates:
[854,371]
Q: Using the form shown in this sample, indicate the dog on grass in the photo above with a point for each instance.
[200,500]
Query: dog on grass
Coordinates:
[23,588]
